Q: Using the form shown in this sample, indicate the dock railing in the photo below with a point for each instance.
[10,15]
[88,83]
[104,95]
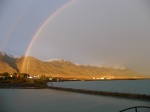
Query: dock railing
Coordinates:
[135,108]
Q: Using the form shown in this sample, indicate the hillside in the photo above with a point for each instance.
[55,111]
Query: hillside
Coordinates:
[7,64]
[61,68]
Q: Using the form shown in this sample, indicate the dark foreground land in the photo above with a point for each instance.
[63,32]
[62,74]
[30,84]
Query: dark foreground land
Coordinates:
[20,86]
[24,84]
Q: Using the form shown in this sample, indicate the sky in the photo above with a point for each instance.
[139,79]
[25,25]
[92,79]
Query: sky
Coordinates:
[95,32]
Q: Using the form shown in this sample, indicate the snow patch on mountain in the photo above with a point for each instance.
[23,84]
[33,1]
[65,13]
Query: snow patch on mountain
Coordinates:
[77,64]
[52,60]
[9,54]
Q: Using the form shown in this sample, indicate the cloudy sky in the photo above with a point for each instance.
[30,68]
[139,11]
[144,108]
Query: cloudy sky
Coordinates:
[96,32]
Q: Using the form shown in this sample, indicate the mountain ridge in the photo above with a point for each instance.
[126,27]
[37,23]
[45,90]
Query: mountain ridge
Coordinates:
[61,68]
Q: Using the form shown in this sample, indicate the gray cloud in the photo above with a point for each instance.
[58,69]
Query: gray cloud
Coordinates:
[99,32]
[20,19]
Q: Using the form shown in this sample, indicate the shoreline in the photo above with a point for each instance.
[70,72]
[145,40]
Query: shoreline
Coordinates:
[101,79]
[20,86]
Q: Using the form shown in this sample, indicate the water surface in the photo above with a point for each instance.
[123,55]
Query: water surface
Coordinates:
[47,100]
[122,86]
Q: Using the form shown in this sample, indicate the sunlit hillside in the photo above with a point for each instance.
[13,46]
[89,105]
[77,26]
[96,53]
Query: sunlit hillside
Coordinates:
[6,64]
[61,68]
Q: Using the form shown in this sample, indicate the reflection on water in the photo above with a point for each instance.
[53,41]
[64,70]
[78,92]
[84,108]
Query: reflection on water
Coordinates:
[47,100]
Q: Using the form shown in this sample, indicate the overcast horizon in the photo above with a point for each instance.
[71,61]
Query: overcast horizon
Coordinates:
[99,32]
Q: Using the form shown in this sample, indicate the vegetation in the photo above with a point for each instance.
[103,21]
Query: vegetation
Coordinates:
[15,76]
[21,80]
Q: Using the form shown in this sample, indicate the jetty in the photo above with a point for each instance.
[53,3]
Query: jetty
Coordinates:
[104,93]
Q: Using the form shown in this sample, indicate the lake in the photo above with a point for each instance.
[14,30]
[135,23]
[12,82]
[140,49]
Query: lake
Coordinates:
[122,86]
[48,100]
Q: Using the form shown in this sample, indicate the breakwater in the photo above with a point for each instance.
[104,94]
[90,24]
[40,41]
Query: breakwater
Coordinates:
[114,94]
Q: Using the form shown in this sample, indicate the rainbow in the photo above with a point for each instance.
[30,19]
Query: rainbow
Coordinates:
[25,60]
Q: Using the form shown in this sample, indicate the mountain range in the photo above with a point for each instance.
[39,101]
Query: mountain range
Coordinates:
[61,68]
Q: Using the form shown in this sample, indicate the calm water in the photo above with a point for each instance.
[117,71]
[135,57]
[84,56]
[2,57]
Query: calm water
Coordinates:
[47,100]
[123,86]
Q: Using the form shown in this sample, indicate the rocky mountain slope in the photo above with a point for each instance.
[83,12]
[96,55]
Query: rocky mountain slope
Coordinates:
[60,68]
[7,63]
